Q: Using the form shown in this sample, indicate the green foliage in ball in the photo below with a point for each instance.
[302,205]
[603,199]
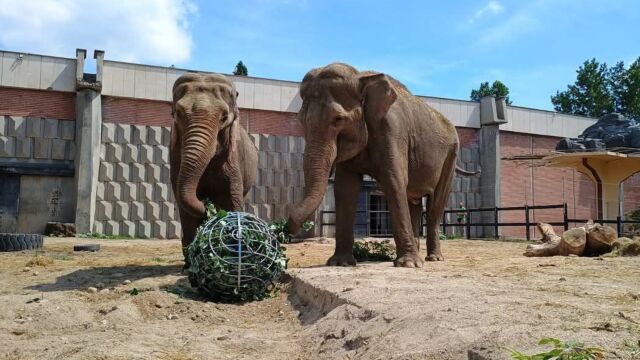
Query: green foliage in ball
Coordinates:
[235,257]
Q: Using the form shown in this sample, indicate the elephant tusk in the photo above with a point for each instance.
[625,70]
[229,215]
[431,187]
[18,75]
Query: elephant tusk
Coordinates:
[459,171]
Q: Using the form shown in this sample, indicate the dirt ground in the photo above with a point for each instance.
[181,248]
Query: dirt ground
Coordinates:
[486,294]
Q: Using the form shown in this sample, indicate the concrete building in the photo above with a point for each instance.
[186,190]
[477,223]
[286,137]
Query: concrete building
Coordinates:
[93,149]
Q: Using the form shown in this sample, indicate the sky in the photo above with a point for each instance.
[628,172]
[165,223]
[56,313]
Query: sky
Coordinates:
[437,48]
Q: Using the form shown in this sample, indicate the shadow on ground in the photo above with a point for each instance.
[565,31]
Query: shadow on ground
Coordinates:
[109,276]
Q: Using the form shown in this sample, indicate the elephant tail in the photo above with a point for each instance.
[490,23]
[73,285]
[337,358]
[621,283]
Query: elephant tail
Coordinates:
[462,172]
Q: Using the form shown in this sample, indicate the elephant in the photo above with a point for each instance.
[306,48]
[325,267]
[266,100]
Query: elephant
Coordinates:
[368,123]
[211,155]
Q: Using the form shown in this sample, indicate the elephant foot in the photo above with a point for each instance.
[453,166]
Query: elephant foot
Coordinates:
[408,260]
[435,257]
[341,260]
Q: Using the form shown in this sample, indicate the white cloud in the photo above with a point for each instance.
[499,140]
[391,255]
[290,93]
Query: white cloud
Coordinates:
[492,8]
[155,31]
[513,27]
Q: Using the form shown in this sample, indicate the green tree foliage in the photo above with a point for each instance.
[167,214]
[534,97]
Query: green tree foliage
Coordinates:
[497,89]
[600,89]
[240,69]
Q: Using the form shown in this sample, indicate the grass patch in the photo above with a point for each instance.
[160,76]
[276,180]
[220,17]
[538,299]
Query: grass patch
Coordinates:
[367,250]
[176,290]
[63,257]
[159,260]
[105,236]
[39,260]
[626,247]
[562,350]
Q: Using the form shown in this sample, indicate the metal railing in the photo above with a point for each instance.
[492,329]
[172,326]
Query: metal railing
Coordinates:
[495,222]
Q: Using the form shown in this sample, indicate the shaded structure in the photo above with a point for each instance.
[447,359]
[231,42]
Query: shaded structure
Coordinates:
[607,169]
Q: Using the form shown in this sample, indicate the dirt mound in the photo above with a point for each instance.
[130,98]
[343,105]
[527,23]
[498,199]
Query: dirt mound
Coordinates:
[131,301]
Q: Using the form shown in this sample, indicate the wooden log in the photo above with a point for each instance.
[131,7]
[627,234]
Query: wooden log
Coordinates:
[600,240]
[550,242]
[548,234]
[573,242]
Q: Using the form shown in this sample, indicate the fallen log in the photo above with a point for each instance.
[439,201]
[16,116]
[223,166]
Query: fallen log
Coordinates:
[588,240]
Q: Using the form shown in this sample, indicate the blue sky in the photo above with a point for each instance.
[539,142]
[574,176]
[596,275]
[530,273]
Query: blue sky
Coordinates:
[437,48]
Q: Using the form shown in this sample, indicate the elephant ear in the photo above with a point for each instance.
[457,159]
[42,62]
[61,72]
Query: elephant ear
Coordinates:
[377,96]
[235,112]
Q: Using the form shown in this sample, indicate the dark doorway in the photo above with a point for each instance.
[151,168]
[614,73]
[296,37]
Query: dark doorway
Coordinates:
[379,215]
[361,227]
[9,202]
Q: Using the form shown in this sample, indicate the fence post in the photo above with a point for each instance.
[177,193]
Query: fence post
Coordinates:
[495,222]
[526,220]
[566,217]
[468,224]
[444,222]
[619,225]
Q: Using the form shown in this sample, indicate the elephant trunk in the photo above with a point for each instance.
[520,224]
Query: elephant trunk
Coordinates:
[199,146]
[318,161]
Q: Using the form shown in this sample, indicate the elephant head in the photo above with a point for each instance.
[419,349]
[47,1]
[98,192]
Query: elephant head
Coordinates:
[204,111]
[339,108]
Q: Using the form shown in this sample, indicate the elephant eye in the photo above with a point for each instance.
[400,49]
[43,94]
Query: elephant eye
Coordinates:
[338,120]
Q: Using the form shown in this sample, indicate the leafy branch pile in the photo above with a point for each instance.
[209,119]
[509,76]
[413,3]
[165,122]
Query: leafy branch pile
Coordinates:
[231,262]
[280,228]
[569,350]
[366,250]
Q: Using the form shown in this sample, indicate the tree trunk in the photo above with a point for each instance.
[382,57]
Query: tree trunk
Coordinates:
[600,240]
[588,240]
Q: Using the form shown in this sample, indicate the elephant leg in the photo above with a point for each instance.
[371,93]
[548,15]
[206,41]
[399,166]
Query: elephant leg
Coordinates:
[435,209]
[415,208]
[346,188]
[406,247]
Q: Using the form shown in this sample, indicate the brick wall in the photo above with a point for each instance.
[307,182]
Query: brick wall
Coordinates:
[271,122]
[136,111]
[158,113]
[523,183]
[37,103]
[632,195]
[468,137]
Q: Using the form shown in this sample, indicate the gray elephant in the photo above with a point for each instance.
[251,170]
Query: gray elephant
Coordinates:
[369,123]
[212,156]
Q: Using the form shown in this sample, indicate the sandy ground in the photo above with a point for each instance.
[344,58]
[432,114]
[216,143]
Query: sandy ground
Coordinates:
[484,294]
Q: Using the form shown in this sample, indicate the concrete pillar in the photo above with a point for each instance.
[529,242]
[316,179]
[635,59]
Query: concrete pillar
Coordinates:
[492,115]
[88,136]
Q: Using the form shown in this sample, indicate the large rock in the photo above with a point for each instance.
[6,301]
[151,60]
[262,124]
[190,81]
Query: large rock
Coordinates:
[610,131]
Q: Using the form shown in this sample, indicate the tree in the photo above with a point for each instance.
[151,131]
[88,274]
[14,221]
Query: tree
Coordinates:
[240,69]
[599,90]
[590,95]
[630,93]
[497,89]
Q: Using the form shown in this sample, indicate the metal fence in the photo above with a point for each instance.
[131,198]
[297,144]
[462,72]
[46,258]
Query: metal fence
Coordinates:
[528,222]
[378,222]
